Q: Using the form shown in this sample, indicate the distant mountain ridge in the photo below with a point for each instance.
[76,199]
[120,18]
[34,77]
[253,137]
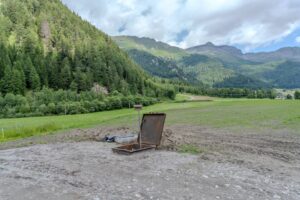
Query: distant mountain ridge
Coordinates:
[224,65]
[291,53]
[149,45]
[209,46]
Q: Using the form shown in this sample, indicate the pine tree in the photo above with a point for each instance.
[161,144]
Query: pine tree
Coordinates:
[17,84]
[7,85]
[21,77]
[4,60]
[66,76]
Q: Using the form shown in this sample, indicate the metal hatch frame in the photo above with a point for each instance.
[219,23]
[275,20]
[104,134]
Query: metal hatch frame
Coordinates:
[151,133]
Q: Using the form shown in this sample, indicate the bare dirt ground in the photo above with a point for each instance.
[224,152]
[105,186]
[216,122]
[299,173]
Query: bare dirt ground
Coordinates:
[75,165]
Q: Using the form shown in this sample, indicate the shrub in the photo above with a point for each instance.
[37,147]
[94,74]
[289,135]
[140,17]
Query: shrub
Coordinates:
[24,108]
[116,102]
[289,96]
[60,108]
[297,95]
[101,106]
[52,108]
[171,94]
[43,109]
[74,108]
[10,100]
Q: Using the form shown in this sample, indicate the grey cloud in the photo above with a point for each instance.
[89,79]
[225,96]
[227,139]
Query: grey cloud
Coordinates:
[248,23]
[122,28]
[147,11]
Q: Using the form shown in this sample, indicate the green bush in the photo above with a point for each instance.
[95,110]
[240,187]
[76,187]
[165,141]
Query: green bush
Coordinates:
[289,96]
[52,108]
[74,108]
[60,108]
[25,108]
[43,109]
[297,95]
[101,105]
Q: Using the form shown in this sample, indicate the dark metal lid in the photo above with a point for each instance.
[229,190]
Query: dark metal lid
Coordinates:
[152,127]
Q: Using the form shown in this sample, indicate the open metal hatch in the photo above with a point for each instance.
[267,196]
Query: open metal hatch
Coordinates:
[151,133]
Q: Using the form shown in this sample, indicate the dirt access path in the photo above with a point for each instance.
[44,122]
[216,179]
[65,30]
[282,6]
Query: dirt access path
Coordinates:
[74,165]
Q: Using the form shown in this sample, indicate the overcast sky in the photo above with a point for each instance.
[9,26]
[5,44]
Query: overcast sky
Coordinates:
[252,25]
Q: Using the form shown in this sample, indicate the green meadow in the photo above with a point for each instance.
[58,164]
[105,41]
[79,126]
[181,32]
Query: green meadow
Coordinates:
[229,114]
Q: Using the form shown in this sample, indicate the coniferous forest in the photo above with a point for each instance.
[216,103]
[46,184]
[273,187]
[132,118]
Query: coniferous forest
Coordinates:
[44,45]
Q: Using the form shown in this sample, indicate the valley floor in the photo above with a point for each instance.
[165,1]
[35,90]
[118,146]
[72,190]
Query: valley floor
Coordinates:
[75,165]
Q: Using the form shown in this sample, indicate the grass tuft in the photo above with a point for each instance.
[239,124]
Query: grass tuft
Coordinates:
[189,148]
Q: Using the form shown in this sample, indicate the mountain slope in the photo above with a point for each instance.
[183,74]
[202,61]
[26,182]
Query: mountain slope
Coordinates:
[286,75]
[219,66]
[153,64]
[151,46]
[163,60]
[278,69]
[286,53]
[207,70]
[210,48]
[228,55]
[42,43]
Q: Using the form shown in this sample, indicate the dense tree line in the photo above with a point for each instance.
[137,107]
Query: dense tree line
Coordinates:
[200,89]
[229,92]
[241,81]
[61,102]
[242,93]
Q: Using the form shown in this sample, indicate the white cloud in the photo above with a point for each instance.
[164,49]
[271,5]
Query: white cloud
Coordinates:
[298,39]
[248,23]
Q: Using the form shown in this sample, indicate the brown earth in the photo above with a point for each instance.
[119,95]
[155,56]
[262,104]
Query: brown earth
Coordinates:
[74,165]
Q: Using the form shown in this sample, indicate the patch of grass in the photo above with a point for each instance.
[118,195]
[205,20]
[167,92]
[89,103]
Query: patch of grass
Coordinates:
[189,148]
[182,97]
[23,132]
[233,114]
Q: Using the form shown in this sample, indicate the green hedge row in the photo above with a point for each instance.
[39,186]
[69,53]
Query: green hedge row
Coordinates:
[49,102]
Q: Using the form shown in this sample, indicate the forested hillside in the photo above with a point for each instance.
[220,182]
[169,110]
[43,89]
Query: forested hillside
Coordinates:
[42,43]
[219,66]
[280,68]
[210,68]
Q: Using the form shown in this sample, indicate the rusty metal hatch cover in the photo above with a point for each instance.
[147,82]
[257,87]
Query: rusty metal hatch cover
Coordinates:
[151,128]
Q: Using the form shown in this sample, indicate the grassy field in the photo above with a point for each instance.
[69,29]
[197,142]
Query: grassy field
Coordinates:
[220,113]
